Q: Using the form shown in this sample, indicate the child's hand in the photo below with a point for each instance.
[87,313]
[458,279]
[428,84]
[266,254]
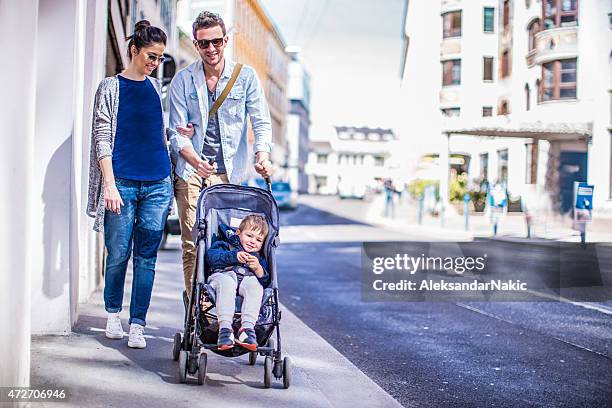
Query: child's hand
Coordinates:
[255,266]
[243,257]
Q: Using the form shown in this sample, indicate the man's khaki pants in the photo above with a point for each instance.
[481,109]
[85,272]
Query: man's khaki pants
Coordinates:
[187,194]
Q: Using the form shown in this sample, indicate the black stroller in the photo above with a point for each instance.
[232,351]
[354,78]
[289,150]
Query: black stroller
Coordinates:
[220,205]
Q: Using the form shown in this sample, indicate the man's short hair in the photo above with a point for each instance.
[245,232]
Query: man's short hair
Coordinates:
[207,19]
[256,223]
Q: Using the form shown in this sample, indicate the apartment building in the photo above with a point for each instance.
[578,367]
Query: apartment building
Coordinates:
[298,121]
[524,94]
[355,154]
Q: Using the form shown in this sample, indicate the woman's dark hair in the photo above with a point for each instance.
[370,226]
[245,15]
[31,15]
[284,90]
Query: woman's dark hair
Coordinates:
[145,35]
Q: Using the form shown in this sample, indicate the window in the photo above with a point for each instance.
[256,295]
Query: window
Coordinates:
[451,72]
[502,166]
[487,68]
[537,87]
[527,97]
[451,112]
[506,13]
[504,108]
[451,24]
[321,158]
[489,19]
[558,80]
[505,64]
[379,161]
[487,111]
[559,13]
[484,166]
[533,29]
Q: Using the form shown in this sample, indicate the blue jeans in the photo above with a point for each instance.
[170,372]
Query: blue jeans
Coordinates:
[141,225]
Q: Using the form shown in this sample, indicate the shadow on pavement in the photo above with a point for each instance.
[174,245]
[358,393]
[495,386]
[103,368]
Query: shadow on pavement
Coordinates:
[307,215]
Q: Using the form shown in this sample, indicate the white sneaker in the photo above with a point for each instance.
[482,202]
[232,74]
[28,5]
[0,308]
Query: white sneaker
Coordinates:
[114,330]
[136,339]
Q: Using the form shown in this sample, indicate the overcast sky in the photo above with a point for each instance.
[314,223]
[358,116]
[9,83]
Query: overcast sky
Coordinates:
[352,49]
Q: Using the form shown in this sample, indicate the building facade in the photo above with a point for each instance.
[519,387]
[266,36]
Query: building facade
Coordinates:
[298,122]
[524,94]
[52,258]
[355,155]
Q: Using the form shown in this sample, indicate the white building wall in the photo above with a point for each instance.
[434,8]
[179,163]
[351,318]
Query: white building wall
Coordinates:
[595,76]
[18,20]
[52,170]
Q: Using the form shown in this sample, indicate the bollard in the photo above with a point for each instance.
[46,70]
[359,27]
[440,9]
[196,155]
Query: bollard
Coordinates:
[466,210]
[420,209]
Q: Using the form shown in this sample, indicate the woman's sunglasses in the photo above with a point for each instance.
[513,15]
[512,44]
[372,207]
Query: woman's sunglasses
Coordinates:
[203,44]
[154,58]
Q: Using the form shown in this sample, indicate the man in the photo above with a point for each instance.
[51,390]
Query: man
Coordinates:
[220,139]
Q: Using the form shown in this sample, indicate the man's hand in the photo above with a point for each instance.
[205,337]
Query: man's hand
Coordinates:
[263,165]
[243,257]
[112,199]
[255,266]
[205,169]
[187,131]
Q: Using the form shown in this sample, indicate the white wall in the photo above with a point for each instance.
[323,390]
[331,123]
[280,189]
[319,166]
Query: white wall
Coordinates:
[595,76]
[53,173]
[18,25]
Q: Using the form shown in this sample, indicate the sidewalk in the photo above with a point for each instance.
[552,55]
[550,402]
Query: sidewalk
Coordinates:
[512,226]
[97,372]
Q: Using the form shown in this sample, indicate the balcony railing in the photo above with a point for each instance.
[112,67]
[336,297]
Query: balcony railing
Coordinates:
[555,44]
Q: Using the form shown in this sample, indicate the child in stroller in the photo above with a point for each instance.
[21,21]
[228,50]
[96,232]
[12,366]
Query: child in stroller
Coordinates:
[221,206]
[237,267]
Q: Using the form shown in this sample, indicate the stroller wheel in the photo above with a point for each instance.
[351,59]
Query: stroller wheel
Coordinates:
[268,372]
[252,358]
[176,346]
[183,361]
[287,370]
[202,361]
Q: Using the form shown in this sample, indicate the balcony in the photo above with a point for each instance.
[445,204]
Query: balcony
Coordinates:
[450,96]
[450,5]
[554,44]
[450,46]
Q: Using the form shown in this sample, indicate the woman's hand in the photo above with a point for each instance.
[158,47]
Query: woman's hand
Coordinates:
[112,199]
[187,131]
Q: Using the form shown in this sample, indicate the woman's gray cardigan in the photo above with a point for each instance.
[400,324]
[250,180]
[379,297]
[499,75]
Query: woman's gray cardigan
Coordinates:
[103,130]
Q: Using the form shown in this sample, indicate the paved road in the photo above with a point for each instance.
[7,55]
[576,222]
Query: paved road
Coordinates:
[437,354]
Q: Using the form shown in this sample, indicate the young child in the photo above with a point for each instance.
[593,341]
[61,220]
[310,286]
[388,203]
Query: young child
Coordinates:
[237,266]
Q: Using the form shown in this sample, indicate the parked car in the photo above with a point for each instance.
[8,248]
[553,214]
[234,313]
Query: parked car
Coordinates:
[284,195]
[172,226]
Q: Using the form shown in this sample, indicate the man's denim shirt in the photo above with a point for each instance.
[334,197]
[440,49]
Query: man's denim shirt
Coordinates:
[189,104]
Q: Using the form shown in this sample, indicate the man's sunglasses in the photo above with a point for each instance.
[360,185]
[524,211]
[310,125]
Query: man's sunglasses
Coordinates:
[154,58]
[216,42]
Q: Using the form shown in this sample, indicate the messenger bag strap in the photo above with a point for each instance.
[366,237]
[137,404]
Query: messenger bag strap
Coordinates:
[226,91]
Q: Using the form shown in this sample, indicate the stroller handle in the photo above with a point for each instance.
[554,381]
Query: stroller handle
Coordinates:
[268,184]
[266,179]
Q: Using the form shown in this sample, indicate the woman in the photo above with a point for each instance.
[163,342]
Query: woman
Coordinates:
[130,186]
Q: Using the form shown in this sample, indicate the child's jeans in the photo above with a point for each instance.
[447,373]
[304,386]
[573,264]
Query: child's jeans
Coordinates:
[250,289]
